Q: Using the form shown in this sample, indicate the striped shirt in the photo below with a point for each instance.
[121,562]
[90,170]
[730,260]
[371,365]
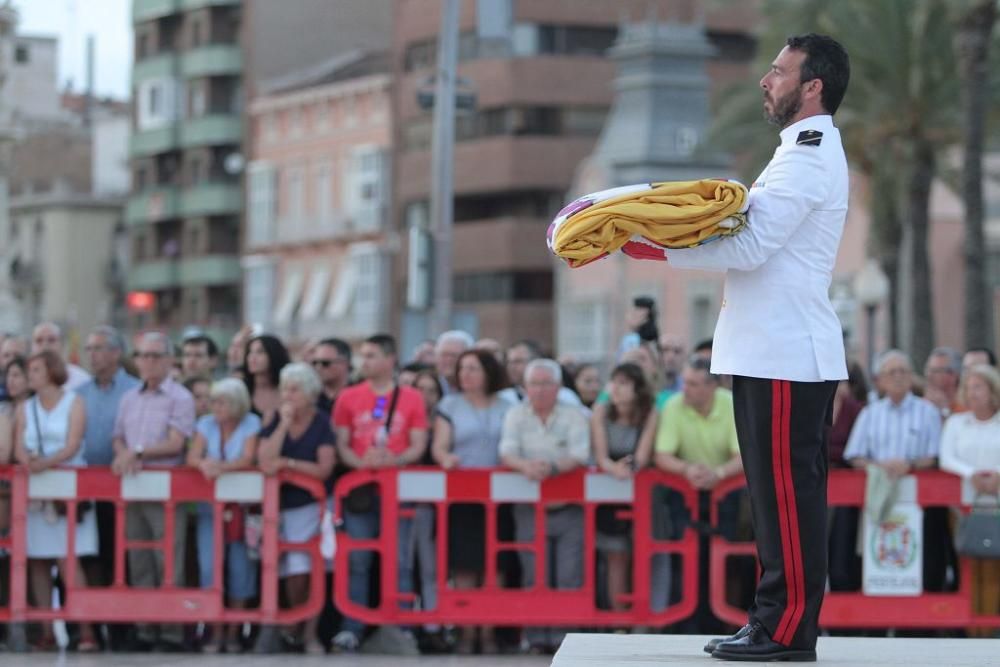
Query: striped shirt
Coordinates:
[885,431]
[146,416]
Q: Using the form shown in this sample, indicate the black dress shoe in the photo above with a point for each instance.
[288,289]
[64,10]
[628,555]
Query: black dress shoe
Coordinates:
[740,634]
[757,646]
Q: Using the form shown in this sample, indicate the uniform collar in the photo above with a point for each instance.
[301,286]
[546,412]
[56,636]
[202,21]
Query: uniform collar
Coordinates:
[822,122]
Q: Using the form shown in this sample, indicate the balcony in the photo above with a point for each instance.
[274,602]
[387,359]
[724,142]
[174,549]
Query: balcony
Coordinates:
[155,67]
[161,274]
[151,142]
[212,130]
[147,10]
[152,206]
[212,60]
[211,199]
[188,5]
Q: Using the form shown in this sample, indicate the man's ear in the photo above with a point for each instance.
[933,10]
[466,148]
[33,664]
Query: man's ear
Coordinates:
[814,90]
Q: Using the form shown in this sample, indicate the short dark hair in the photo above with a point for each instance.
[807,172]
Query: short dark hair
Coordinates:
[341,346]
[192,382]
[702,364]
[416,367]
[386,342]
[55,367]
[534,349]
[431,375]
[827,61]
[990,354]
[704,346]
[202,339]
[496,376]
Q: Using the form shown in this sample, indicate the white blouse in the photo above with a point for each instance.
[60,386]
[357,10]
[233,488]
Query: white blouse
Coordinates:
[969,445]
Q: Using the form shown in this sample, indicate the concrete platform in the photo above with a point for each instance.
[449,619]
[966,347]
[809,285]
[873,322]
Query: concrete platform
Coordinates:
[591,650]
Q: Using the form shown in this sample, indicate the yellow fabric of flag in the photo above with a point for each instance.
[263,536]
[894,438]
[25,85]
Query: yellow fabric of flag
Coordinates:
[677,214]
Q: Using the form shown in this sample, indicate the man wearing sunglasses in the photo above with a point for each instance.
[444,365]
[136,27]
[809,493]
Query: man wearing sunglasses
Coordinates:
[332,362]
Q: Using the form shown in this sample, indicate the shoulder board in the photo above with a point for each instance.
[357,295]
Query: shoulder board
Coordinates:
[809,138]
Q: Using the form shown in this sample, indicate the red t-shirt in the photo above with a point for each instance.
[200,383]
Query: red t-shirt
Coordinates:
[361,410]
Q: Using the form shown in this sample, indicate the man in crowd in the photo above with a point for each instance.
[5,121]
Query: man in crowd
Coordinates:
[943,371]
[541,438]
[48,336]
[11,347]
[450,345]
[199,356]
[379,424]
[331,359]
[901,433]
[518,356]
[101,398]
[672,360]
[696,439]
[154,421]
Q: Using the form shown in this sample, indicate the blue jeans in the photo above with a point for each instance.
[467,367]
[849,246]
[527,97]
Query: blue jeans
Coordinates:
[241,579]
[364,526]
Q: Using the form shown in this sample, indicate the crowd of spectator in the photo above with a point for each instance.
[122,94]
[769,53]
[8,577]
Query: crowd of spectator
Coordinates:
[330,407]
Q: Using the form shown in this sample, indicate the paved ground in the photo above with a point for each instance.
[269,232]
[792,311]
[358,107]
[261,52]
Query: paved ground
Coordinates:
[147,660]
[594,650]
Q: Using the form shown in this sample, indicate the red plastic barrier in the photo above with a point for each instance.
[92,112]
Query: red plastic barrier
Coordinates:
[168,603]
[492,604]
[854,609]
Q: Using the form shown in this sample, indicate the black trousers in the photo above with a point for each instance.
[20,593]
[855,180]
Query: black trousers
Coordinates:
[782,435]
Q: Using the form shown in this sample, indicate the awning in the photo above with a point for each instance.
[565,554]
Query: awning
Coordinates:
[291,293]
[343,291]
[316,293]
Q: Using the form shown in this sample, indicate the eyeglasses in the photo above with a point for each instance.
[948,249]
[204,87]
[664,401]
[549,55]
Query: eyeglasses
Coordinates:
[150,355]
[324,363]
[95,348]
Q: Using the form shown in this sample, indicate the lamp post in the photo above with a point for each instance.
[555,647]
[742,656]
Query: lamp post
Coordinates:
[871,288]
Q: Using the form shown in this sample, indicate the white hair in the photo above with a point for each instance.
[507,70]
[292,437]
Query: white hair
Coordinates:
[235,393]
[951,354]
[548,365]
[48,325]
[457,336]
[157,337]
[888,356]
[302,376]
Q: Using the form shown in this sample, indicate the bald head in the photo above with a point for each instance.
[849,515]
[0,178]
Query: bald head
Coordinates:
[47,336]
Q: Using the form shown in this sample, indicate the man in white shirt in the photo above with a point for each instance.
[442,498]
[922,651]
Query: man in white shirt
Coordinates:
[780,338]
[48,336]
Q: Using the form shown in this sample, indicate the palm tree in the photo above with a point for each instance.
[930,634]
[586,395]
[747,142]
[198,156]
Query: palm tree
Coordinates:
[972,44]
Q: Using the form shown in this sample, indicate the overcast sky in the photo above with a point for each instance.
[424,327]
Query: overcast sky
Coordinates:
[110,21]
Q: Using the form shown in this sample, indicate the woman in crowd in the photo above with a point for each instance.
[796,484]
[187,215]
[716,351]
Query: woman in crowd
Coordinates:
[467,433]
[587,384]
[49,432]
[425,379]
[622,432]
[265,357]
[16,381]
[299,439]
[851,397]
[201,389]
[970,447]
[226,440]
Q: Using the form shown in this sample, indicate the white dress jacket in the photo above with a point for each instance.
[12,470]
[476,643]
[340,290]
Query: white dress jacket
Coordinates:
[776,319]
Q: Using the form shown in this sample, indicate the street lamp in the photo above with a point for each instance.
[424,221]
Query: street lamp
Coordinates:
[871,288]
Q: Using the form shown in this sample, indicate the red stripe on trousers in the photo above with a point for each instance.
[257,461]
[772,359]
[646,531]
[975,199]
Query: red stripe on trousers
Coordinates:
[787,511]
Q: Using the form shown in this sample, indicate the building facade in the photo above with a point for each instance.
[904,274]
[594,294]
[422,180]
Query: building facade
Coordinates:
[187,163]
[316,259]
[543,88]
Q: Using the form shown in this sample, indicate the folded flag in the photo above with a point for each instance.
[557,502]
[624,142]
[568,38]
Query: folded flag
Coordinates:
[646,219]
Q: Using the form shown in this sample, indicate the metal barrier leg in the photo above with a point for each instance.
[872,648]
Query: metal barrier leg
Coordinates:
[17,638]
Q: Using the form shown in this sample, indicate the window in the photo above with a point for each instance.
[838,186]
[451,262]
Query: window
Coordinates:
[155,101]
[295,122]
[417,133]
[583,330]
[365,189]
[323,117]
[159,100]
[260,227]
[503,286]
[198,102]
[584,121]
[323,203]
[258,296]
[143,46]
[527,204]
[366,263]
[21,54]
[270,131]
[295,210]
[196,38]
[141,178]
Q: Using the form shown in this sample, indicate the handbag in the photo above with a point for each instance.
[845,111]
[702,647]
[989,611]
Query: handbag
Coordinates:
[58,506]
[979,533]
[362,499]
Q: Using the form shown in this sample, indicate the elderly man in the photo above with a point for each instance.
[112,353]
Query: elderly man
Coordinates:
[48,336]
[943,371]
[901,433]
[450,345]
[153,423]
[541,438]
[101,398]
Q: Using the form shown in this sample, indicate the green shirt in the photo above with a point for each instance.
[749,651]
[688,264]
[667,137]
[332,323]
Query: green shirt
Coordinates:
[689,436]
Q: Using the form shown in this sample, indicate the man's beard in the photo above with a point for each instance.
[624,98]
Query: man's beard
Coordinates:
[785,109]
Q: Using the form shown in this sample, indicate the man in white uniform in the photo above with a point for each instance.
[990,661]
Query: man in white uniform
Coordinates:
[780,339]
